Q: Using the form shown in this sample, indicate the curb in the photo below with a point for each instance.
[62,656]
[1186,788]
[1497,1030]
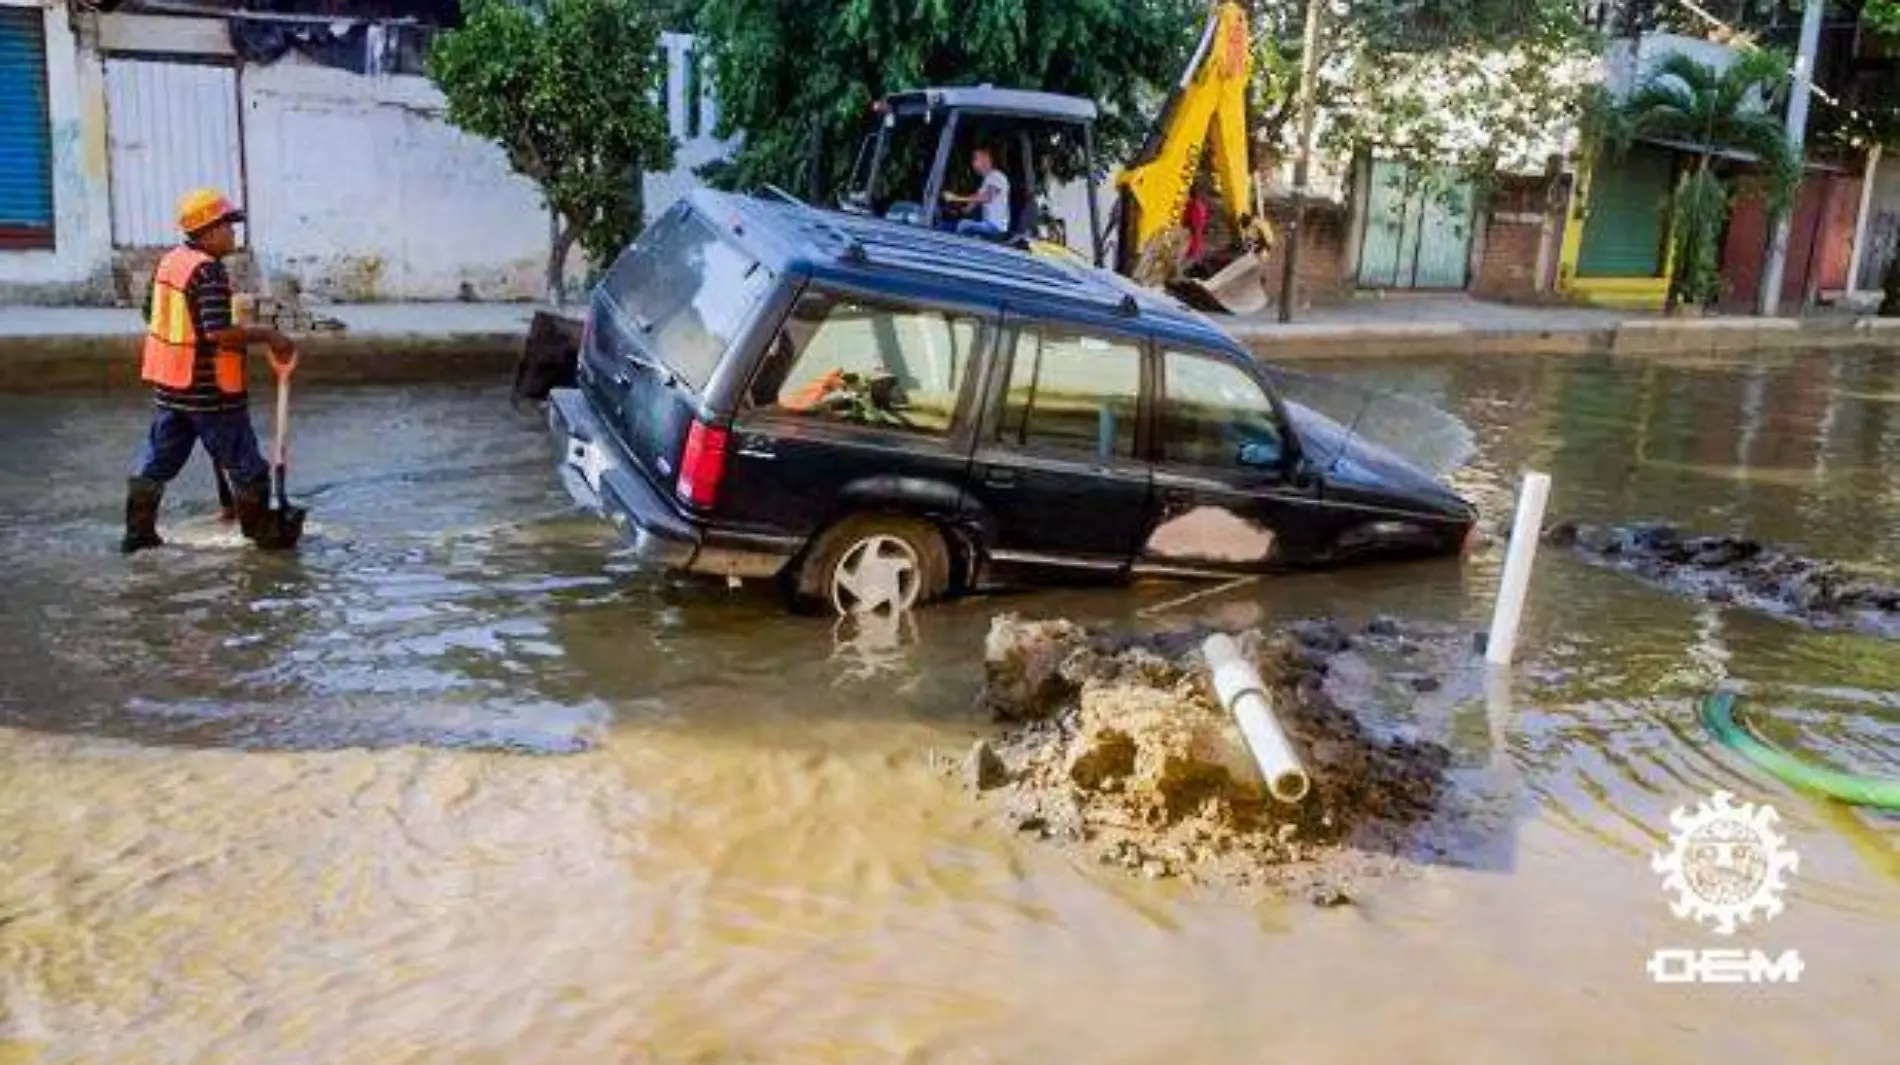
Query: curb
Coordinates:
[110,362]
[1636,338]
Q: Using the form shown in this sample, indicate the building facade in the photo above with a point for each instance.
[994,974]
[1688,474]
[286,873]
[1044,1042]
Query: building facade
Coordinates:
[327,131]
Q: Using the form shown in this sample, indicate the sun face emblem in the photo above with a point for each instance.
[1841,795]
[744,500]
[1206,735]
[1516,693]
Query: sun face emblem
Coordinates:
[1726,863]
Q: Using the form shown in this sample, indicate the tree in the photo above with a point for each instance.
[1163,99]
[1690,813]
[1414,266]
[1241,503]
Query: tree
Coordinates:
[570,90]
[797,78]
[1441,84]
[1693,103]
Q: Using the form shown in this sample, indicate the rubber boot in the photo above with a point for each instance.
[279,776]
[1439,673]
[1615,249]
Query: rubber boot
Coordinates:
[142,497]
[250,502]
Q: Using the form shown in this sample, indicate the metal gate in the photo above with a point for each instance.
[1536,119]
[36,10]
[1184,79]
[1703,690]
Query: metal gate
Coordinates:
[26,175]
[172,127]
[1418,229]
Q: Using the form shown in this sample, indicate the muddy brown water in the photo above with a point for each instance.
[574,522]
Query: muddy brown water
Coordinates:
[457,783]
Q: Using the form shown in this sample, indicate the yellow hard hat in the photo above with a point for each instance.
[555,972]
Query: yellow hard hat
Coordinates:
[200,209]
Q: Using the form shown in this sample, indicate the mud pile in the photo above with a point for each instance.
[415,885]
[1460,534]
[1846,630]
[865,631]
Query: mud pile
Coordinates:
[1121,750]
[1747,573]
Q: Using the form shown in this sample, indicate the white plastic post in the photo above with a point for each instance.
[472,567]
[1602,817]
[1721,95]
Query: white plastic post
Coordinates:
[1525,530]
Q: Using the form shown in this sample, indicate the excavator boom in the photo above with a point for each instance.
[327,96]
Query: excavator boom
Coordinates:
[1207,109]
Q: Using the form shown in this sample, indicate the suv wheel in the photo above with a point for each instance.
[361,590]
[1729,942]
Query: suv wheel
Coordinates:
[875,565]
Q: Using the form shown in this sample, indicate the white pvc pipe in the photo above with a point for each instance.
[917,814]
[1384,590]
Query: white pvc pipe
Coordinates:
[1241,691]
[1525,530]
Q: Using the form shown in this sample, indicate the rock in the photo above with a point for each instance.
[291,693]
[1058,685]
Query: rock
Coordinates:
[1154,869]
[1382,626]
[1423,683]
[983,768]
[1322,635]
[1562,534]
[1330,896]
[1652,536]
[1597,540]
[1023,662]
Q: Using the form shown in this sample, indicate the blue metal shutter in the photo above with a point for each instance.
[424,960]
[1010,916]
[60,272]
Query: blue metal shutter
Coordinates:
[26,155]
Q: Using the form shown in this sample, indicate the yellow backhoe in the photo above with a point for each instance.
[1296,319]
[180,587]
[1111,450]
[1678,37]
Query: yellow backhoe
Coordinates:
[904,168]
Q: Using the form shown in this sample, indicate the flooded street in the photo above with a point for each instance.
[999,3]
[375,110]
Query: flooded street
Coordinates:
[457,783]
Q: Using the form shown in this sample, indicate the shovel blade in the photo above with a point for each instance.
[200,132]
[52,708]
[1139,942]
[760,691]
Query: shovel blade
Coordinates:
[280,529]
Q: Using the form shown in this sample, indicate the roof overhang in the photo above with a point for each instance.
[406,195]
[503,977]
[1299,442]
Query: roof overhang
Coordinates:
[1015,103]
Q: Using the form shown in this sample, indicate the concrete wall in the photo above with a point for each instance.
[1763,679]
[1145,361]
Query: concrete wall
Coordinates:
[359,190]
[1883,223]
[1515,257]
[78,268]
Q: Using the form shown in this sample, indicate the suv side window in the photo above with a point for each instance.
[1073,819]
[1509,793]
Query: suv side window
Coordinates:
[1072,392]
[1216,416]
[846,360]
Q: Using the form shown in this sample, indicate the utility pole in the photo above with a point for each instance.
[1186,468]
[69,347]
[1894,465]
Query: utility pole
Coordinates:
[1302,161]
[1769,299]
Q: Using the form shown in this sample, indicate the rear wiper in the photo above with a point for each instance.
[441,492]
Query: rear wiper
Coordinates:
[657,368]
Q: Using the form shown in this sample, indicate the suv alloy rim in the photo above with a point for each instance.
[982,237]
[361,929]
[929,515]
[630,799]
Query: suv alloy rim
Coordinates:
[878,574]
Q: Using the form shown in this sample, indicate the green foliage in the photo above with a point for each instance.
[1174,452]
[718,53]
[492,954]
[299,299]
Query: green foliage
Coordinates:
[1883,17]
[1700,209]
[797,78]
[1733,109]
[569,90]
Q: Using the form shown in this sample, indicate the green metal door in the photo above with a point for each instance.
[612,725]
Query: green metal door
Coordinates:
[1418,230]
[1628,211]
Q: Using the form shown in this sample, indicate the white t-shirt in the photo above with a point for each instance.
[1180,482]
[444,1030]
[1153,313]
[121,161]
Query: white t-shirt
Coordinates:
[996,212]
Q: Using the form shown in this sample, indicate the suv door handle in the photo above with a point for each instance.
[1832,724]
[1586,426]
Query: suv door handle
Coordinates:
[1177,495]
[999,477]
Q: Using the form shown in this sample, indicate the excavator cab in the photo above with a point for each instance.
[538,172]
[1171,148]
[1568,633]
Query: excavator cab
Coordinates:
[923,144]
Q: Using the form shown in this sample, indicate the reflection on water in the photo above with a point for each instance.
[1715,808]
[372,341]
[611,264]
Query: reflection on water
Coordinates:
[459,783]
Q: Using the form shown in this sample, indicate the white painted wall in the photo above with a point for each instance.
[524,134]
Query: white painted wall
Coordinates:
[359,190]
[79,265]
[660,190]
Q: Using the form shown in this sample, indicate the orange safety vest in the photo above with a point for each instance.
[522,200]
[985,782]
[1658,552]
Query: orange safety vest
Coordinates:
[171,340]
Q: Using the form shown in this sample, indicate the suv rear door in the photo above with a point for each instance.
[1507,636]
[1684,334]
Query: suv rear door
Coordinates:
[660,324]
[860,402]
[1057,479]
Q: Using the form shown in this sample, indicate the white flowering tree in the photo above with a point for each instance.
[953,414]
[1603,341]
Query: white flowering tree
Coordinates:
[1472,88]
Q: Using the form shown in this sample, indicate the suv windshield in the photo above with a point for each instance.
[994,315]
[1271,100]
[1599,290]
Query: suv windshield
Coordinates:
[686,293]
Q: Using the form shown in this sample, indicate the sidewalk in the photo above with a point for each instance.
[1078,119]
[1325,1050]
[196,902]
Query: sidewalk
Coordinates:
[1454,325]
[75,347]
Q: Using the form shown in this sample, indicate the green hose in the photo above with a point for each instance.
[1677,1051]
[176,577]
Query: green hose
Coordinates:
[1718,713]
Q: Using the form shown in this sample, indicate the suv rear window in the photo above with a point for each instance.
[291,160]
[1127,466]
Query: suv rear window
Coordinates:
[686,293]
[845,360]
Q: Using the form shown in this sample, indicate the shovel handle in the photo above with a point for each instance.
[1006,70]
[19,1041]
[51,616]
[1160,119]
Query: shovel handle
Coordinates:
[281,447]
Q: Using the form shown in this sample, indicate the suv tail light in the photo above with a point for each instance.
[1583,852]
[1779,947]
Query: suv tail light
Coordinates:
[702,465]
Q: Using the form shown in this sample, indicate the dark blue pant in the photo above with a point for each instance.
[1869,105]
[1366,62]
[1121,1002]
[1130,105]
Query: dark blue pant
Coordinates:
[226,434]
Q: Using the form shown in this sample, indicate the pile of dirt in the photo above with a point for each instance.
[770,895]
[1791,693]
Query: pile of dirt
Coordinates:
[1746,573]
[1120,748]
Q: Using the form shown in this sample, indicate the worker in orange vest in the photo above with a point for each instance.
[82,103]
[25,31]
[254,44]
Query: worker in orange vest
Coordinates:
[194,358]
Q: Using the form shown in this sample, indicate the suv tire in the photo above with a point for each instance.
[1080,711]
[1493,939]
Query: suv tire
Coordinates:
[874,564]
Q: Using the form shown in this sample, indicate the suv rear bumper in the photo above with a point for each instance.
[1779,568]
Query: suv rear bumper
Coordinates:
[597,473]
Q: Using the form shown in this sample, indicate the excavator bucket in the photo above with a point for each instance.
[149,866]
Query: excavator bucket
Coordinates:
[1239,288]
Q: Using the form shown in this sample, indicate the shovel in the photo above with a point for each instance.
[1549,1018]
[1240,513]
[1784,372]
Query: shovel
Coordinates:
[281,525]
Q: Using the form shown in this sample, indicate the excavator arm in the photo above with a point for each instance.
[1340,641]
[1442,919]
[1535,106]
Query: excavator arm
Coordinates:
[1208,108]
